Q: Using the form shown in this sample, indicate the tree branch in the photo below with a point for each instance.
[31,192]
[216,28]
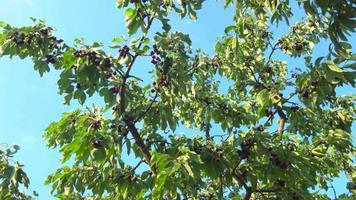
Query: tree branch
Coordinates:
[130,124]
[281,122]
[140,143]
[127,73]
[207,131]
[148,108]
[137,165]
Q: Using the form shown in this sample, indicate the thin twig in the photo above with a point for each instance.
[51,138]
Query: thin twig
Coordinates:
[137,165]
[332,187]
[148,108]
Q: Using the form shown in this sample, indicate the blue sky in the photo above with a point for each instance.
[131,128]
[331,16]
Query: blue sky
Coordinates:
[28,103]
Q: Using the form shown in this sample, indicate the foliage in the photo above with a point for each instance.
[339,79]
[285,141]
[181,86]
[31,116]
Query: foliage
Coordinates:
[12,177]
[286,133]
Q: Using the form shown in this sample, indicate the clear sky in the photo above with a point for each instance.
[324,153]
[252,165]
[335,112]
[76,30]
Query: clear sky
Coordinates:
[28,103]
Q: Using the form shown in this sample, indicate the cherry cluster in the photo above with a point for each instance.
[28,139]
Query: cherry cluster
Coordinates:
[305,92]
[119,129]
[295,196]
[54,43]
[37,38]
[264,34]
[282,164]
[244,153]
[280,183]
[124,51]
[163,81]
[96,125]
[94,58]
[297,46]
[114,90]
[155,55]
[50,59]
[138,1]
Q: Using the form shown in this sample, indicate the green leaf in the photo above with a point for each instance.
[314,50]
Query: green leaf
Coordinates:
[99,154]
[263,98]
[4,47]
[3,24]
[333,67]
[117,39]
[9,172]
[132,23]
[189,169]
[229,29]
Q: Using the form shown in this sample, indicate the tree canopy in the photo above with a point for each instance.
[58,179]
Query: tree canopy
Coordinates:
[286,132]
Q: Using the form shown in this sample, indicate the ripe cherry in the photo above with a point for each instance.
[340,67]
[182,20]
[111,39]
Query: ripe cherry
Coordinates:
[114,90]
[294,108]
[50,59]
[97,143]
[298,46]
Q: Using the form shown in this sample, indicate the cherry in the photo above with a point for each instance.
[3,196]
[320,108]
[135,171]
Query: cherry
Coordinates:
[28,39]
[94,58]
[273,155]
[280,41]
[43,31]
[268,112]
[260,128]
[162,144]
[97,143]
[78,53]
[243,153]
[264,34]
[19,38]
[314,83]
[114,90]
[305,94]
[113,126]
[283,165]
[50,59]
[124,51]
[52,38]
[134,178]
[155,58]
[256,87]
[294,108]
[281,183]
[295,196]
[298,46]
[106,62]
[163,81]
[96,125]
[154,62]
[116,108]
